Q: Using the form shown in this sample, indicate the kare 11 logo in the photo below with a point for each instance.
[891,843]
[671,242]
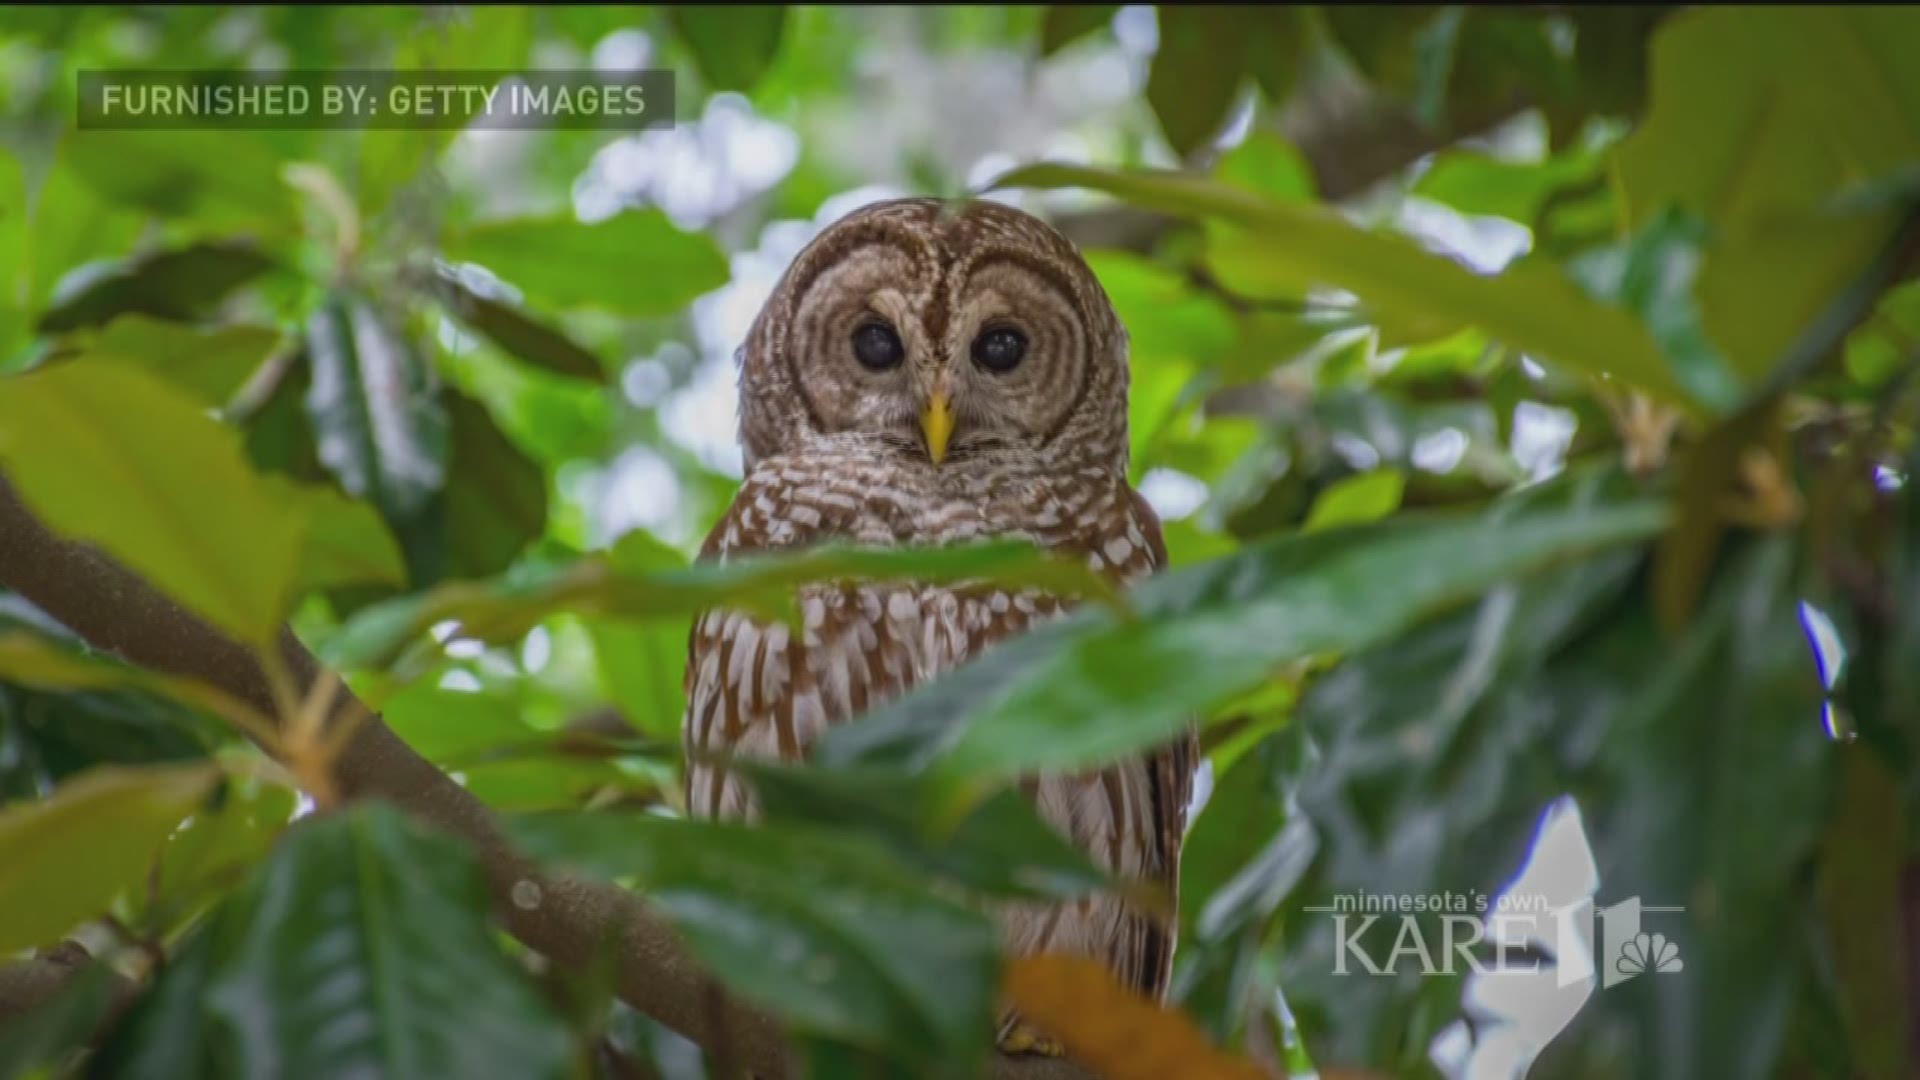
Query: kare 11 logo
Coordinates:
[1621,940]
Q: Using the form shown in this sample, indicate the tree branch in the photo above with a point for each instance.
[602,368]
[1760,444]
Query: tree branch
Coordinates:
[574,920]
[29,984]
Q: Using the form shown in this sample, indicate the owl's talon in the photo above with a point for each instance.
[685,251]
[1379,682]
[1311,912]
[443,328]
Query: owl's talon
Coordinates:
[1025,1040]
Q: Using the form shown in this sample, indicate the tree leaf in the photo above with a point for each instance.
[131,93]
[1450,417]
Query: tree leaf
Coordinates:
[117,817]
[15,250]
[496,497]
[28,659]
[1002,847]
[1093,687]
[505,609]
[1063,24]
[1756,126]
[210,362]
[220,180]
[216,848]
[1269,166]
[278,433]
[114,455]
[1859,895]
[1196,72]
[731,47]
[1242,856]
[821,928]
[1290,247]
[1111,1029]
[643,670]
[1652,275]
[362,947]
[1358,499]
[346,542]
[520,333]
[1743,127]
[1276,44]
[1474,182]
[382,430]
[180,284]
[634,263]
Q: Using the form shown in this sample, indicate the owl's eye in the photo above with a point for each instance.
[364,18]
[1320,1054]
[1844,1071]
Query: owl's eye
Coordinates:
[999,349]
[877,347]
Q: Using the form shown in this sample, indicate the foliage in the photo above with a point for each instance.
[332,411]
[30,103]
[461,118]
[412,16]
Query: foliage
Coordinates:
[1614,526]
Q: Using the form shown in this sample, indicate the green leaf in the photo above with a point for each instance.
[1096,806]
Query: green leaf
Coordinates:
[1474,182]
[212,363]
[825,930]
[16,285]
[1383,42]
[1196,72]
[496,497]
[1091,688]
[116,817]
[1174,333]
[1001,848]
[1356,500]
[216,848]
[180,284]
[445,726]
[1770,116]
[1610,56]
[1242,856]
[1274,246]
[1269,166]
[277,431]
[1880,347]
[28,659]
[634,263]
[552,418]
[447,39]
[1063,24]
[1277,40]
[519,333]
[346,542]
[1859,897]
[381,428]
[114,455]
[1247,848]
[1758,126]
[1652,274]
[361,948]
[503,610]
[219,180]
[732,46]
[642,669]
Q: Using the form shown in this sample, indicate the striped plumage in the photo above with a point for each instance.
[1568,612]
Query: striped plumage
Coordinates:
[836,451]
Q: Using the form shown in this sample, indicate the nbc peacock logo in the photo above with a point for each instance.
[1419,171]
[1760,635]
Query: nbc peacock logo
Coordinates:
[1647,952]
[1628,951]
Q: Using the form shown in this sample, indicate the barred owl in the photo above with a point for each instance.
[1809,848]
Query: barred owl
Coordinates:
[929,372]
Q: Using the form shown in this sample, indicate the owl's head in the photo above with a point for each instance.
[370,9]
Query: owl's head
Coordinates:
[964,337]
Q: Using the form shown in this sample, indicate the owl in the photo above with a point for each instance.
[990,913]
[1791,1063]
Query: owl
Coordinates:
[928,372]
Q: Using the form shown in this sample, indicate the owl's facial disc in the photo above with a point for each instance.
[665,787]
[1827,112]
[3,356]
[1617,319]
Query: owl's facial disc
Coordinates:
[971,340]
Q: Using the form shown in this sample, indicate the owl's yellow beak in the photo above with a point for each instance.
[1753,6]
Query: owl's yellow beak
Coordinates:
[936,420]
